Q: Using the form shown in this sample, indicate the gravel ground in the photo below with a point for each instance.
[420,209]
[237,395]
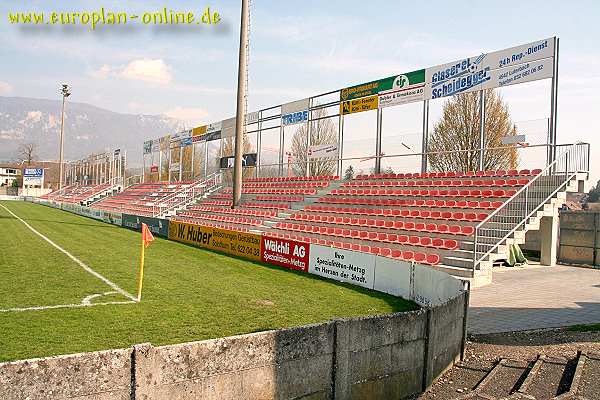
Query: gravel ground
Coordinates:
[483,351]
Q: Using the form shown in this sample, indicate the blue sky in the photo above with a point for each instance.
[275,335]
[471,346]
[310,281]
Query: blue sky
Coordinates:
[298,49]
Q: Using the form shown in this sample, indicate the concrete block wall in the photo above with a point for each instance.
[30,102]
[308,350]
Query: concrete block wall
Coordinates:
[101,375]
[381,357]
[283,364]
[446,329]
[376,357]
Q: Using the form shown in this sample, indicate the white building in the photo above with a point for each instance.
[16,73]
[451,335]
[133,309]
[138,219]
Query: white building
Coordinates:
[9,173]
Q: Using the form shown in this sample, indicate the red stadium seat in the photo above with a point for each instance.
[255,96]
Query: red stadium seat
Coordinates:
[385,252]
[420,257]
[396,253]
[432,259]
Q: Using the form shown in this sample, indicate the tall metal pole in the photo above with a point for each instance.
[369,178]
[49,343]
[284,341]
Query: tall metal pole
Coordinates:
[481,129]
[62,130]
[425,138]
[378,141]
[241,106]
[554,103]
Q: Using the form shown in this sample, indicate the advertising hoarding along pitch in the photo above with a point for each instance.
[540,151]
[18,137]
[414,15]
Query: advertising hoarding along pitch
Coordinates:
[359,105]
[252,118]
[33,177]
[285,253]
[391,83]
[342,265]
[405,89]
[199,131]
[157,226]
[241,244]
[294,118]
[477,73]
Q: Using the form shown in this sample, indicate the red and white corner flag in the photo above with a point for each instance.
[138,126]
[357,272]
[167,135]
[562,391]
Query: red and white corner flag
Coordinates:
[147,236]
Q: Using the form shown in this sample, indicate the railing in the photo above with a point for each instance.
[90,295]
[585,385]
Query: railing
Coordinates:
[188,194]
[505,220]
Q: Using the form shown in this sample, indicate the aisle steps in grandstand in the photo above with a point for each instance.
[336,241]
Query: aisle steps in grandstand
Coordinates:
[99,196]
[184,205]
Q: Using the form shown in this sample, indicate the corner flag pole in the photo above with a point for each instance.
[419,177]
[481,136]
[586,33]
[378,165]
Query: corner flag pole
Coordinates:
[141,274]
[147,238]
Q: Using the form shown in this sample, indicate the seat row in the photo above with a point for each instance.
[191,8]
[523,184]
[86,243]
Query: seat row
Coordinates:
[463,230]
[294,178]
[446,216]
[463,204]
[452,174]
[438,183]
[222,218]
[300,184]
[424,192]
[423,241]
[404,255]
[273,206]
[223,203]
[237,211]
[275,191]
[209,224]
[291,199]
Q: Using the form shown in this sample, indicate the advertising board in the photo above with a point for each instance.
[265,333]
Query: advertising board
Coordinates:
[241,244]
[285,253]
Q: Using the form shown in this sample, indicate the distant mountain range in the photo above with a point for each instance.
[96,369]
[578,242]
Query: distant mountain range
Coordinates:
[88,129]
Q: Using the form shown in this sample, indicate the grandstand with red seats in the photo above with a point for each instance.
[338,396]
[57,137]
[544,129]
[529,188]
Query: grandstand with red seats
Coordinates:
[427,218]
[81,194]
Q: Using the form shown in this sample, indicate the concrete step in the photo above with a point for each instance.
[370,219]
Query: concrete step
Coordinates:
[586,382]
[502,380]
[557,378]
[549,377]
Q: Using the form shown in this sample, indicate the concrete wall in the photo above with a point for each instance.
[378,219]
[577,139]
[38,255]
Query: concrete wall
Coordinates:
[579,238]
[101,375]
[377,357]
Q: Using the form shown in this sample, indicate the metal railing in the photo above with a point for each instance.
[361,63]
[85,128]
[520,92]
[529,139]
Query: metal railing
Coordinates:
[505,220]
[187,194]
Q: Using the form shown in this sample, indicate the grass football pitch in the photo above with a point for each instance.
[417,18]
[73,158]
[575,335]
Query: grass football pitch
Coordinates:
[60,302]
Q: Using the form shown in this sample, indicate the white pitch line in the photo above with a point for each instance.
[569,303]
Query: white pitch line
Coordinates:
[81,305]
[72,257]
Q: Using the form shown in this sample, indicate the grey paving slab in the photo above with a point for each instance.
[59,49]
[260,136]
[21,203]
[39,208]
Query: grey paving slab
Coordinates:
[536,297]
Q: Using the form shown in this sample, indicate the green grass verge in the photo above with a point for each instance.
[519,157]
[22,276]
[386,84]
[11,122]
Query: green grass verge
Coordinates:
[585,328]
[189,293]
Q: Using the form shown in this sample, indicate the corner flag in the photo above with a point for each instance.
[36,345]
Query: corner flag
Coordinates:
[147,238]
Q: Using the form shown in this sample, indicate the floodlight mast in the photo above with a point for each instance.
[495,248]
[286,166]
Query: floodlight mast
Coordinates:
[65,91]
[240,115]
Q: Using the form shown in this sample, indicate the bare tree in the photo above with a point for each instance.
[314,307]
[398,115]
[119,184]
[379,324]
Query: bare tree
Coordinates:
[322,131]
[27,152]
[457,132]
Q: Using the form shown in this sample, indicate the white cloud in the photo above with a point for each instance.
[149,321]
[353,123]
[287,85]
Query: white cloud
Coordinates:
[191,115]
[5,88]
[102,72]
[148,70]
